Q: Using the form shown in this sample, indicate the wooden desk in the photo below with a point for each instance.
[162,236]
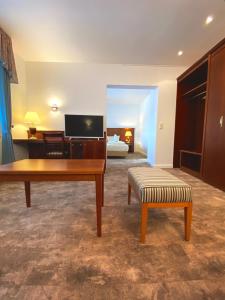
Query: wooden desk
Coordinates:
[28,170]
[36,147]
[74,148]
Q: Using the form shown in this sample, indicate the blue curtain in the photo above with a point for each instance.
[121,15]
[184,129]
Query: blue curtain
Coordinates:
[5,116]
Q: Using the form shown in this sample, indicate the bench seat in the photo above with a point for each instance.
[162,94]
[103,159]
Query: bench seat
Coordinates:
[156,185]
[154,188]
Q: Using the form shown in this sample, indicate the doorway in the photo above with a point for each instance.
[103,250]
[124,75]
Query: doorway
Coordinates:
[135,107]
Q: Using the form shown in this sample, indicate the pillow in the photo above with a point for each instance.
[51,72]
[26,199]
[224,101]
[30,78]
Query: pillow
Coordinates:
[116,138]
[110,138]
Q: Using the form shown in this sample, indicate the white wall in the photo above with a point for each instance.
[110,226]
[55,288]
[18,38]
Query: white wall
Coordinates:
[148,125]
[19,108]
[152,140]
[144,123]
[166,117]
[77,88]
[82,88]
[19,100]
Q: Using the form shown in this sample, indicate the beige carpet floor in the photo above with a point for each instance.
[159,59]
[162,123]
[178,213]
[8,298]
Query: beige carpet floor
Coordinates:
[51,251]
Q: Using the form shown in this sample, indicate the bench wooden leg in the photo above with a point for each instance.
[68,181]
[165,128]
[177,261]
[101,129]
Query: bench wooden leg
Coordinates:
[129,193]
[187,221]
[144,219]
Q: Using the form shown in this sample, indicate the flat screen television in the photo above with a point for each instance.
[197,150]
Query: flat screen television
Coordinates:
[84,126]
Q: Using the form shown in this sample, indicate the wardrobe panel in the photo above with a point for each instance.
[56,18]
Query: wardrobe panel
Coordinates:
[214,147]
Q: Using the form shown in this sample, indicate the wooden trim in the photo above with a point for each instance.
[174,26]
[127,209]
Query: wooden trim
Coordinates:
[206,114]
[46,177]
[217,47]
[191,152]
[176,141]
[193,68]
[168,204]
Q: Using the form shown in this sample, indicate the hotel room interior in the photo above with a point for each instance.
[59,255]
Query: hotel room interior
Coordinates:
[103,103]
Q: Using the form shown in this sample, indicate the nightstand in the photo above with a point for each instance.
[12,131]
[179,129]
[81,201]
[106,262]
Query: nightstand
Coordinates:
[131,147]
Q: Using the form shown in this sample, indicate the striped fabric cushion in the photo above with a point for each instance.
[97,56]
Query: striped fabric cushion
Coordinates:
[156,185]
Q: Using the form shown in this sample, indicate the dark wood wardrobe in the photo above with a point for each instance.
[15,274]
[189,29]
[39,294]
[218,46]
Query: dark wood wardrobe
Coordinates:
[199,145]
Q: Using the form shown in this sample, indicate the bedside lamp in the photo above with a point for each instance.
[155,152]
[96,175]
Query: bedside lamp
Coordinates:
[128,135]
[32,119]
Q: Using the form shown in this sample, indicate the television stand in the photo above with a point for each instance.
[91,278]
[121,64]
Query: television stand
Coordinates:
[85,148]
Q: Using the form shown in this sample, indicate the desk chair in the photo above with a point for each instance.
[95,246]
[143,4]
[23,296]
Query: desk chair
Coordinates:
[54,144]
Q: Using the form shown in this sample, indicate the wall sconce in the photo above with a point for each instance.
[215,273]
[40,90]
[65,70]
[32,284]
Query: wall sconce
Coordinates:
[54,107]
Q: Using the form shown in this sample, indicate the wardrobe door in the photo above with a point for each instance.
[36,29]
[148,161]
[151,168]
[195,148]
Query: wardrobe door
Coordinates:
[214,147]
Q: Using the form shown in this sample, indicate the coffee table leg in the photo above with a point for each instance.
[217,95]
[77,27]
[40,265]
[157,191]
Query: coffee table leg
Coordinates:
[27,193]
[99,198]
[103,190]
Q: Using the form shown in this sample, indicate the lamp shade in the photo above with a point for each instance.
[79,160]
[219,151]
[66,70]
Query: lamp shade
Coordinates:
[128,133]
[31,117]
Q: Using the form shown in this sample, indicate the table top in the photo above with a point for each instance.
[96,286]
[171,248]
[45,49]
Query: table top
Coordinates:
[54,166]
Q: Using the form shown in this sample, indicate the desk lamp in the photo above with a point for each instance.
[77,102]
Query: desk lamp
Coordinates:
[32,119]
[128,135]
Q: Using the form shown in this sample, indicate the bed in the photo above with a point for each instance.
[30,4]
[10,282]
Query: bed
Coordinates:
[119,148]
[117,145]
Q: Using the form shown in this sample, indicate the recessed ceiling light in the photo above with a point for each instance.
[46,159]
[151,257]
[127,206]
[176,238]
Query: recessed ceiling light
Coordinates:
[179,53]
[208,20]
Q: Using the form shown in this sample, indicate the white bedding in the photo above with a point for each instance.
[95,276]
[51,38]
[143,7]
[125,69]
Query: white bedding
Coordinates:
[117,146]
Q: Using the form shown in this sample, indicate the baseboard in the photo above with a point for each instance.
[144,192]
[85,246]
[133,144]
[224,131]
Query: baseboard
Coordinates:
[163,165]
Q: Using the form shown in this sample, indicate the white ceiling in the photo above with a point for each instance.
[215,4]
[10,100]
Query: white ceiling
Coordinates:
[127,95]
[113,31]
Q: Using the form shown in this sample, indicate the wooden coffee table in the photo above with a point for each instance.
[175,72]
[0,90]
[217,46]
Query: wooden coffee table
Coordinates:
[28,170]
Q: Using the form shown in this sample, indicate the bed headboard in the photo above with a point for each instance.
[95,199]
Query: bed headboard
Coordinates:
[121,132]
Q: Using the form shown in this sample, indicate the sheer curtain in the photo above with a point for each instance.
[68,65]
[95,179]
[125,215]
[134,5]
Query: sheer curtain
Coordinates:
[5,116]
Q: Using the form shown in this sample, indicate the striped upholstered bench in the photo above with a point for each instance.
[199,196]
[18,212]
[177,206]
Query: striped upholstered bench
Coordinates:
[157,188]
